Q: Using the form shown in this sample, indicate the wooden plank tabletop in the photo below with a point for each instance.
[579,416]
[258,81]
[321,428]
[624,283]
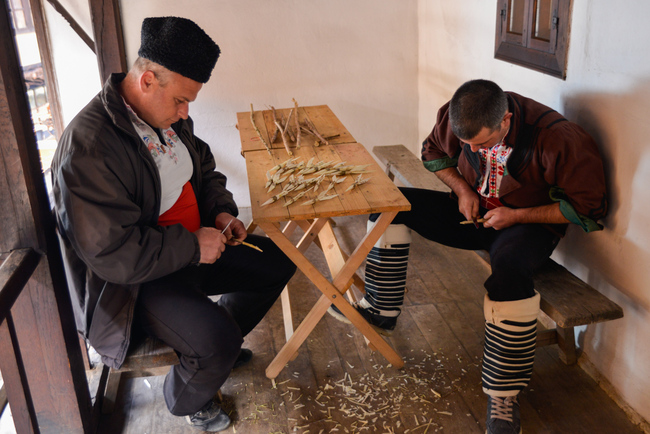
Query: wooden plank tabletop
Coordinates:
[378,195]
[326,123]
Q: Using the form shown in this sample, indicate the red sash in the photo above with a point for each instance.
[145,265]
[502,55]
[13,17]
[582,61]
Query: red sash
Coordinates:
[185,211]
[490,202]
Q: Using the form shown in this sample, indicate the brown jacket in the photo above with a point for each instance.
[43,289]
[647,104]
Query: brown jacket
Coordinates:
[553,160]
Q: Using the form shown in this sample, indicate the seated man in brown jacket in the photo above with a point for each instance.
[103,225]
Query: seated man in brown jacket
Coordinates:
[522,173]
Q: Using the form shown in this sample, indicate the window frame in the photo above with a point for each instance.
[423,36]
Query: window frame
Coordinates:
[548,57]
[27,15]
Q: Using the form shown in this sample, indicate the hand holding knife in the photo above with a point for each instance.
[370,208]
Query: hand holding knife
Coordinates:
[227,226]
[240,241]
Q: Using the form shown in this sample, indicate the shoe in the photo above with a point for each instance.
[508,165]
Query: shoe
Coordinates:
[245,356]
[503,415]
[384,325]
[211,418]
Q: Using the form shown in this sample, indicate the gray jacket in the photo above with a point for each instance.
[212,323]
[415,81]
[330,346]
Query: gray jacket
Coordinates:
[107,201]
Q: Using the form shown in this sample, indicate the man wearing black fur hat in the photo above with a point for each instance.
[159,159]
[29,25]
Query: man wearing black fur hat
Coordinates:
[139,206]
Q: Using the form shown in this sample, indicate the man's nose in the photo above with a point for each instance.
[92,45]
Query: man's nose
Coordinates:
[184,111]
[474,148]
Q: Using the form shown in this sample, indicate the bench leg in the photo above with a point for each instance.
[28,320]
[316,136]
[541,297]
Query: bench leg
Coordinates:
[566,341]
[110,394]
[84,353]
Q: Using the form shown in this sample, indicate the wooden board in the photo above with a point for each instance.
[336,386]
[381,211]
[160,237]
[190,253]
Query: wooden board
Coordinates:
[151,353]
[407,168]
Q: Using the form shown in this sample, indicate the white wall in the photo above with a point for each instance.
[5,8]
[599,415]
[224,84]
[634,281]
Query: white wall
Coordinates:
[607,91]
[358,57]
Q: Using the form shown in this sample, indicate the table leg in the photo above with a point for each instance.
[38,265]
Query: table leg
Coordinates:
[287,352]
[357,281]
[331,291]
[284,297]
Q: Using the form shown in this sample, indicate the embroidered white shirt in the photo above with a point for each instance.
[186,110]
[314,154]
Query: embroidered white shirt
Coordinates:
[493,163]
[172,159]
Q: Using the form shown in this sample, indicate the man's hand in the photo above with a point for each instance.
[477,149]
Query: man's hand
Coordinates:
[468,203]
[500,218]
[504,217]
[212,244]
[236,229]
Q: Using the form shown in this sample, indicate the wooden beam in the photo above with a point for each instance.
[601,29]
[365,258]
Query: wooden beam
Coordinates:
[15,378]
[3,399]
[73,23]
[42,314]
[45,49]
[109,41]
[15,272]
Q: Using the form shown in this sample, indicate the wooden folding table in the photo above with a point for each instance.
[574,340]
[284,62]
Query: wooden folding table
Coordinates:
[378,195]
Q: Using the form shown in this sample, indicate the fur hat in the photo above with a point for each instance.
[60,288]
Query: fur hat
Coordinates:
[179,45]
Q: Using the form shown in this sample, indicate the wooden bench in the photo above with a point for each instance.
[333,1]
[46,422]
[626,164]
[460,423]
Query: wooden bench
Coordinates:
[150,358]
[566,300]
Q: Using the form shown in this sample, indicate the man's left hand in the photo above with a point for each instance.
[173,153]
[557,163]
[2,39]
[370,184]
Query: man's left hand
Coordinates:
[236,230]
[500,218]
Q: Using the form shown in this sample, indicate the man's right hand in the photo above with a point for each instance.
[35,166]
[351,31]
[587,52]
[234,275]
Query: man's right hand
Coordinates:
[468,204]
[212,243]
[468,201]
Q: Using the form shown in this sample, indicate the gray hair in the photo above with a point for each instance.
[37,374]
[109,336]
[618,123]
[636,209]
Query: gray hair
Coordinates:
[162,74]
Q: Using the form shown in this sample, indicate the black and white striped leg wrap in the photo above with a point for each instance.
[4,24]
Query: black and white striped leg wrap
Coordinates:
[509,352]
[386,265]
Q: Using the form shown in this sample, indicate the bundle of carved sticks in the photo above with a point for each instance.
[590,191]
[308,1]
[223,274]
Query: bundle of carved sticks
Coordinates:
[298,184]
[290,133]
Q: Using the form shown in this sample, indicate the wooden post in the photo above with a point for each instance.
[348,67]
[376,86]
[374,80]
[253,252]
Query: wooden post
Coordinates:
[45,49]
[109,41]
[42,314]
[15,377]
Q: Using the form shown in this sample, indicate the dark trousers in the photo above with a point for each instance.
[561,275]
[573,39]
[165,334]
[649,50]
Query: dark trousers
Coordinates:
[208,335]
[515,252]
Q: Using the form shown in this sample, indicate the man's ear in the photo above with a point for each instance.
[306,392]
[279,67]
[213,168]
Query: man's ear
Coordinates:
[147,81]
[507,116]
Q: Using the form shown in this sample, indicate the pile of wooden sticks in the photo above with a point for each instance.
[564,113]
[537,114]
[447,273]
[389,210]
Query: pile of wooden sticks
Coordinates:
[290,131]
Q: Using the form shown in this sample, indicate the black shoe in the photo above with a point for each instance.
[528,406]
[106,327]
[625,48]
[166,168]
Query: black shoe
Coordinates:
[245,356]
[384,325]
[211,418]
[503,415]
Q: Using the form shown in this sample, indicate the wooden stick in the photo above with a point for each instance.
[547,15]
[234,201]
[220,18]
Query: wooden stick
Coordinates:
[471,222]
[318,137]
[288,130]
[277,130]
[314,131]
[266,145]
[297,125]
[284,138]
[247,244]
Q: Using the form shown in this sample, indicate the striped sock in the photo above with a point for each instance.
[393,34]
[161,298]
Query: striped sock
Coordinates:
[385,279]
[509,352]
